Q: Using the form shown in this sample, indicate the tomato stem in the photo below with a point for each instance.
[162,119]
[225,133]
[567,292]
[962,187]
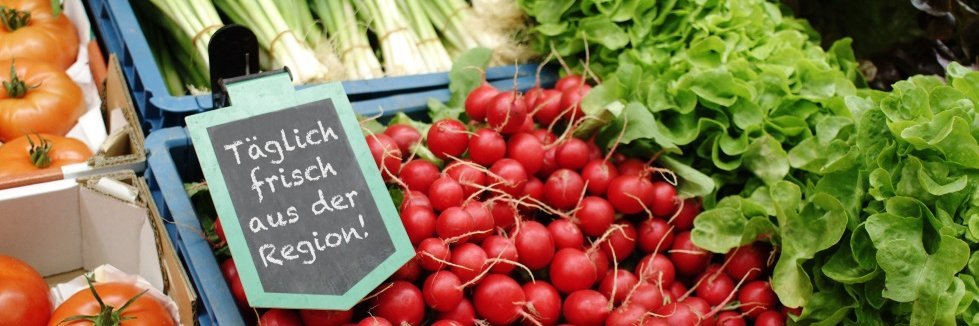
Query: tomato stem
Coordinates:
[14,19]
[39,152]
[108,315]
[16,88]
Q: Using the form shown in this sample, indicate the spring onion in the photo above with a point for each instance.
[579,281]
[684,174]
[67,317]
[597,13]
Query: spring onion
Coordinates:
[275,36]
[349,38]
[198,20]
[432,50]
[398,43]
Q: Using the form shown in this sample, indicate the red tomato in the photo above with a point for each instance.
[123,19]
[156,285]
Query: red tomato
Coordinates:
[23,294]
[144,310]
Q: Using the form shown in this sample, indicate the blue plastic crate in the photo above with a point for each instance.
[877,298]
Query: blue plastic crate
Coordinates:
[172,161]
[121,34]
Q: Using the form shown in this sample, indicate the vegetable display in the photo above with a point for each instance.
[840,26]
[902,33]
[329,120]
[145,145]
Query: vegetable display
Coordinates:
[515,220]
[37,98]
[40,152]
[23,294]
[31,30]
[868,196]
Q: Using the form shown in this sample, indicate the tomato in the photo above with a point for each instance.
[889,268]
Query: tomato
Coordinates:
[143,309]
[23,294]
[30,30]
[37,98]
[50,152]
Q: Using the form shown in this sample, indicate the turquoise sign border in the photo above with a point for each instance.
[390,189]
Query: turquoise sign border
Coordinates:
[272,93]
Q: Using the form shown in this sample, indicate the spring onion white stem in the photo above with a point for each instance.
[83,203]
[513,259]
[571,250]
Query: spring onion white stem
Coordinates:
[349,38]
[399,47]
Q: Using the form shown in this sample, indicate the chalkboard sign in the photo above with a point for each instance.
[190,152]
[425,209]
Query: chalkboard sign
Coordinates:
[305,211]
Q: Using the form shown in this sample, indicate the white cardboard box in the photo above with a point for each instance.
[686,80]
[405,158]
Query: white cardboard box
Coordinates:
[66,227]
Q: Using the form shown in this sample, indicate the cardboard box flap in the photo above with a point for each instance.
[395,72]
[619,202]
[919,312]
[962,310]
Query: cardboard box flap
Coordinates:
[118,233]
[125,144]
[40,225]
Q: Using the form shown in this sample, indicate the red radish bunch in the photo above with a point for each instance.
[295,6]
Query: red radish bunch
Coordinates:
[522,225]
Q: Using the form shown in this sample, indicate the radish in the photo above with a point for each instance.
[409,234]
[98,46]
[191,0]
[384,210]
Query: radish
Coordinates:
[630,194]
[454,223]
[571,270]
[729,318]
[656,321]
[503,248]
[463,313]
[486,147]
[546,137]
[531,96]
[448,193]
[595,215]
[746,262]
[700,308]
[566,234]
[548,107]
[655,233]
[447,137]
[586,308]
[404,135]
[572,154]
[326,317]
[677,290]
[569,81]
[598,259]
[632,166]
[528,124]
[506,112]
[687,257]
[442,290]
[621,242]
[278,317]
[664,199]
[446,322]
[715,288]
[469,260]
[386,154]
[415,199]
[647,295]
[770,318]
[400,302]
[549,163]
[543,303]
[594,152]
[571,101]
[483,222]
[528,150]
[419,174]
[432,253]
[374,321]
[509,176]
[535,246]
[471,178]
[419,222]
[504,212]
[756,297]
[626,315]
[478,100]
[616,285]
[410,271]
[499,299]
[563,188]
[533,189]
[657,269]
[599,175]
[684,220]
[679,313]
